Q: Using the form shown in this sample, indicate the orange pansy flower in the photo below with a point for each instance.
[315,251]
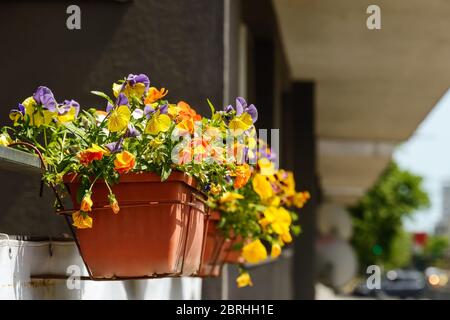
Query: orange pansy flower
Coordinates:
[94,153]
[86,203]
[243,174]
[186,112]
[124,162]
[155,95]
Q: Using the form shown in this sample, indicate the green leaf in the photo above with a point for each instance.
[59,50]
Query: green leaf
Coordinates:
[103,95]
[237,246]
[165,172]
[85,183]
[213,110]
[296,230]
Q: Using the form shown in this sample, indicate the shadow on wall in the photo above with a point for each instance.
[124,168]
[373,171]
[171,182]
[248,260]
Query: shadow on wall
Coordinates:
[40,50]
[155,37]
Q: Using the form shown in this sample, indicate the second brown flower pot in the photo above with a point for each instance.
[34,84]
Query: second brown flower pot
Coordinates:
[233,256]
[217,247]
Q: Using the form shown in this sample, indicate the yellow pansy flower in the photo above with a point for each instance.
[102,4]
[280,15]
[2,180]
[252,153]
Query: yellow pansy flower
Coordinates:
[81,220]
[68,116]
[29,104]
[119,119]
[37,117]
[300,198]
[5,140]
[273,201]
[173,110]
[158,123]
[116,87]
[137,90]
[41,118]
[240,124]
[276,250]
[251,142]
[286,237]
[230,196]
[254,252]
[282,221]
[262,187]
[288,182]
[244,280]
[215,189]
[278,218]
[266,167]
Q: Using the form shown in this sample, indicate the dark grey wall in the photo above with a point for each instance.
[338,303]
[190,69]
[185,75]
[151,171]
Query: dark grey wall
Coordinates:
[299,120]
[268,77]
[178,43]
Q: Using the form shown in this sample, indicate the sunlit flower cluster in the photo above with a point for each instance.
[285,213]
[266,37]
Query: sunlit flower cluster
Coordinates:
[261,210]
[136,129]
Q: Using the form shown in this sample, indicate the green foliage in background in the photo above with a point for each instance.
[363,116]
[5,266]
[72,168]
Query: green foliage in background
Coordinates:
[435,249]
[379,237]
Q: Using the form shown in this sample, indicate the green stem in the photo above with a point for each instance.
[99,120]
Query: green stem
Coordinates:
[109,188]
[45,137]
[62,147]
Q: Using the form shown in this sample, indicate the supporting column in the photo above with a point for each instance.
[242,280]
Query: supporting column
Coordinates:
[300,156]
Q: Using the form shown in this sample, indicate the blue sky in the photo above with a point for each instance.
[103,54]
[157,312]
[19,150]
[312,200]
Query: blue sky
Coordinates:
[427,153]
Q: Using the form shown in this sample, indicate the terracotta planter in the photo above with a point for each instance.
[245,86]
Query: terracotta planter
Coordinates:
[158,232]
[216,249]
[234,256]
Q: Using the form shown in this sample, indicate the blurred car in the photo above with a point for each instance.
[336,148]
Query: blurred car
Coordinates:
[404,283]
[396,283]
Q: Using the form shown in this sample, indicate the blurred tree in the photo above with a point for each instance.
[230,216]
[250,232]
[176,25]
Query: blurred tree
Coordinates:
[378,236]
[435,250]
[401,253]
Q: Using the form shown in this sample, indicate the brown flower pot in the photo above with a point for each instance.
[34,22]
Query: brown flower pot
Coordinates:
[234,256]
[216,249]
[158,232]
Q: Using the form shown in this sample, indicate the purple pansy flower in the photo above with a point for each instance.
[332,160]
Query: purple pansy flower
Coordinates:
[228,109]
[241,107]
[270,155]
[131,132]
[16,114]
[115,147]
[133,79]
[122,100]
[20,109]
[164,109]
[149,111]
[67,105]
[109,107]
[44,96]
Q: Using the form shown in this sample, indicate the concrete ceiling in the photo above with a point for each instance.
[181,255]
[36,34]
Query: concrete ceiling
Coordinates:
[372,86]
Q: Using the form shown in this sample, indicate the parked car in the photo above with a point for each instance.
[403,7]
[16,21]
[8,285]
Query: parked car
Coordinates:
[396,283]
